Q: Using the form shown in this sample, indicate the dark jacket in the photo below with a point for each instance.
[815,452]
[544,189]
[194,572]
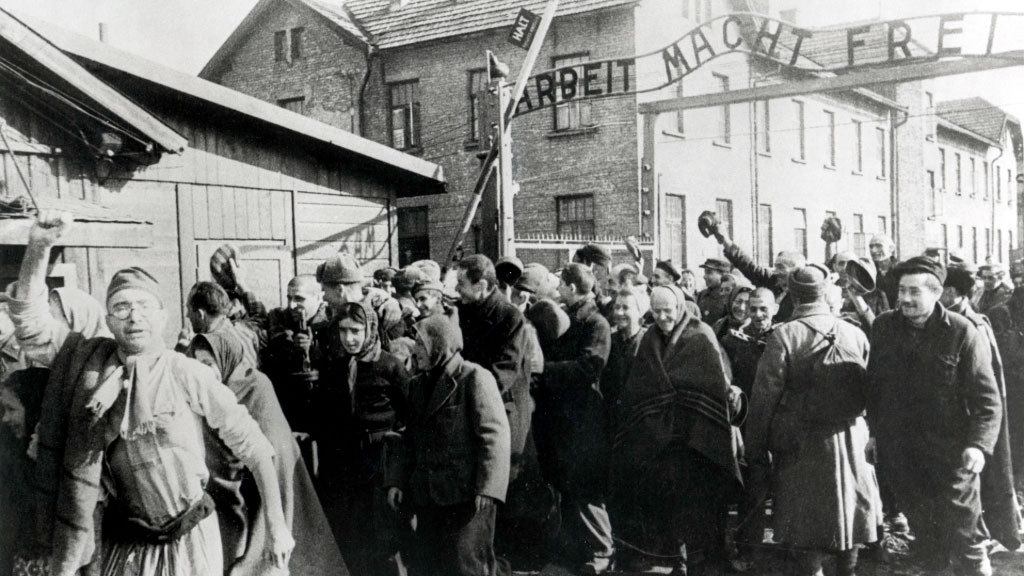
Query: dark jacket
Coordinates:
[993,298]
[616,372]
[762,278]
[931,394]
[713,304]
[744,348]
[495,337]
[569,421]
[888,283]
[281,360]
[456,445]
[998,496]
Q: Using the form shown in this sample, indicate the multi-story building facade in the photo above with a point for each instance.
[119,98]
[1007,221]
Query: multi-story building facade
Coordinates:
[406,73]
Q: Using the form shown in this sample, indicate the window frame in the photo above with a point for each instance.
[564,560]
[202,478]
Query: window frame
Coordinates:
[281,48]
[858,130]
[474,103]
[764,126]
[575,104]
[800,233]
[830,124]
[766,256]
[723,131]
[295,36]
[958,172]
[727,219]
[301,100]
[412,121]
[801,117]
[402,231]
[883,169]
[562,200]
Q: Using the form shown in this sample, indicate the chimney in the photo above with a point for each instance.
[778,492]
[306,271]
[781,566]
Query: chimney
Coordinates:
[104,34]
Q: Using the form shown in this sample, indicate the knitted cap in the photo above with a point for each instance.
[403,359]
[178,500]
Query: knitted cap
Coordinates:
[960,279]
[429,268]
[809,283]
[341,268]
[133,278]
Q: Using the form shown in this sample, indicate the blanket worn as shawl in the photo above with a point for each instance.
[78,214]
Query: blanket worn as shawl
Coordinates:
[677,392]
[244,530]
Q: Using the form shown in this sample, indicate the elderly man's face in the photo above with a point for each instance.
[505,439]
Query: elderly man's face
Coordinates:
[137,319]
[880,251]
[306,297]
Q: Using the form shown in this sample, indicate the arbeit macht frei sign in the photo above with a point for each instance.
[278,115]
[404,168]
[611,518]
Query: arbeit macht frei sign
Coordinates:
[828,50]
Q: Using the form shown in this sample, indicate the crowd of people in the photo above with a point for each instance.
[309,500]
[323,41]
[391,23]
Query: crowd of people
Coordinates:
[469,418]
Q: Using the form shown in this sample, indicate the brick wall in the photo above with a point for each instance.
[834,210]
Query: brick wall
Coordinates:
[602,161]
[328,75]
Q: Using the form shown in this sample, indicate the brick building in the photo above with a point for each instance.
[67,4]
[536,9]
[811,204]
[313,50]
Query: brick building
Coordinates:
[773,169]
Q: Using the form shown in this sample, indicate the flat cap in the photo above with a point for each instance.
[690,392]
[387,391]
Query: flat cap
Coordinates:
[960,279]
[340,268]
[594,254]
[534,278]
[667,267]
[717,264]
[921,265]
[508,269]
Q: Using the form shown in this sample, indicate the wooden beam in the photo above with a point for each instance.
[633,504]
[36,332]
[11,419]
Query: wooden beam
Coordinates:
[84,234]
[851,80]
[50,57]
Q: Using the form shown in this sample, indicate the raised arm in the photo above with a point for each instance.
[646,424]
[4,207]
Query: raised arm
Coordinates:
[39,333]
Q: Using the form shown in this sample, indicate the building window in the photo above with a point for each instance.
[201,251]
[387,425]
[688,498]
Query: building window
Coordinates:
[575,215]
[405,115]
[858,143]
[280,46]
[296,42]
[680,114]
[477,83]
[987,187]
[942,168]
[880,133]
[960,236]
[574,114]
[800,126]
[999,185]
[999,243]
[686,9]
[988,242]
[883,225]
[934,201]
[830,125]
[764,126]
[800,231]
[724,120]
[723,208]
[764,235]
[974,178]
[288,44]
[974,242]
[674,231]
[413,234]
[860,242]
[957,173]
[297,105]
[702,10]
[930,111]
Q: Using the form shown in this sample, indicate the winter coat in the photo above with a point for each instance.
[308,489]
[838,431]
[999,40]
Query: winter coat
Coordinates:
[495,337]
[569,418]
[456,445]
[826,494]
[932,394]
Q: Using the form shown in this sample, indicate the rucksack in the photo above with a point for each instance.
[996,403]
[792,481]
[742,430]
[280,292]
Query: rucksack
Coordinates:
[834,387]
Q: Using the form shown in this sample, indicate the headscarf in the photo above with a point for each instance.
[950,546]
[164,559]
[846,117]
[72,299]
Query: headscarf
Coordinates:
[370,352]
[677,293]
[83,312]
[442,339]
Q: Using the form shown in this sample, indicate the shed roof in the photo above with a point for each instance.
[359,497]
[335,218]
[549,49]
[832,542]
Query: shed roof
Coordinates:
[216,96]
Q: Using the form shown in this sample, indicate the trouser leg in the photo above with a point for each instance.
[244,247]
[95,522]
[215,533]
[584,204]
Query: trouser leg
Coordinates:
[807,562]
[587,527]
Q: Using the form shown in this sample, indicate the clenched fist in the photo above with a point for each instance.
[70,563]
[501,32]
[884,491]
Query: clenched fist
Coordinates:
[49,227]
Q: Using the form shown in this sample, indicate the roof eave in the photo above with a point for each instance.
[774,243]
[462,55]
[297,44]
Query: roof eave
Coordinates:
[49,56]
[954,127]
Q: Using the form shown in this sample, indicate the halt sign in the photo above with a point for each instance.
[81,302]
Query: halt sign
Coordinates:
[524,29]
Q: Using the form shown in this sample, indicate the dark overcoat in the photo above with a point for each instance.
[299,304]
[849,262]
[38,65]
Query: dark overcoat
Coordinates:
[569,418]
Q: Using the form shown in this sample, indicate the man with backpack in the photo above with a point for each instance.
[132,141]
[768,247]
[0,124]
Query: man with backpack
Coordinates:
[806,431]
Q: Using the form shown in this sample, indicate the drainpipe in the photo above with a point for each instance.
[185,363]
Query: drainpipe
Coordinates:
[894,187]
[370,53]
[992,198]
[754,184]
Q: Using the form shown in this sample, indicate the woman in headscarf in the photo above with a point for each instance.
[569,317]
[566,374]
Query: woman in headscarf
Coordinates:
[243,533]
[673,450]
[359,404]
[737,307]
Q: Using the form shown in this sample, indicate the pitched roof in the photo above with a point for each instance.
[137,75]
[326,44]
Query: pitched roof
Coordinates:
[254,110]
[38,48]
[424,20]
[976,115]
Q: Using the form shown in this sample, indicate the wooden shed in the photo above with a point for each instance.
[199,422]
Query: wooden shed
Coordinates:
[163,167]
